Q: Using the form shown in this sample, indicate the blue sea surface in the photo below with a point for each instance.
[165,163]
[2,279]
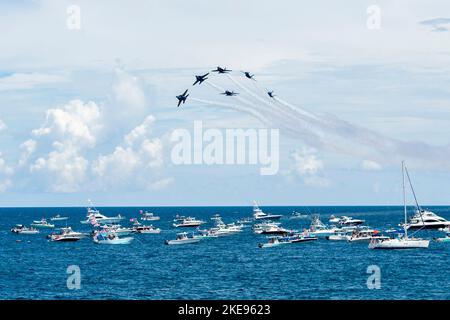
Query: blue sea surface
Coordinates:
[231,267]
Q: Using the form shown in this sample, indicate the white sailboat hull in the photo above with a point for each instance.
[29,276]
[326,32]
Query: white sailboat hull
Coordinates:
[400,244]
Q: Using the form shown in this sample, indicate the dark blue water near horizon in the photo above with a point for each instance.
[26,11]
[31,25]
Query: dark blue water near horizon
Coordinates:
[231,267]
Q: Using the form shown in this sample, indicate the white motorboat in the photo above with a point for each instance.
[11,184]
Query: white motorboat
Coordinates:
[19,228]
[117,229]
[273,242]
[349,221]
[366,235]
[141,228]
[58,218]
[43,224]
[148,216]
[298,215]
[205,234]
[403,241]
[222,229]
[94,216]
[333,219]
[110,238]
[259,227]
[188,222]
[271,229]
[339,236]
[319,229]
[258,214]
[182,238]
[425,219]
[66,235]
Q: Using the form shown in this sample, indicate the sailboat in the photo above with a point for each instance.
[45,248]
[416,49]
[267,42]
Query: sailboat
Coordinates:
[405,241]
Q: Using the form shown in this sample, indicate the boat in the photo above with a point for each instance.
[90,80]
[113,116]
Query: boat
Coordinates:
[403,241]
[425,219]
[222,229]
[94,216]
[338,236]
[110,238]
[43,223]
[446,229]
[349,221]
[272,229]
[141,228]
[117,229]
[333,219]
[365,235]
[258,214]
[245,221]
[66,235]
[319,229]
[273,242]
[445,239]
[259,227]
[148,216]
[205,234]
[188,222]
[58,218]
[298,215]
[299,237]
[182,238]
[19,228]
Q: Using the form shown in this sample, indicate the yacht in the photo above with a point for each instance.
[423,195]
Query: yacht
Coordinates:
[66,235]
[43,223]
[403,241]
[258,214]
[188,222]
[349,221]
[58,218]
[182,238]
[94,216]
[222,229]
[117,229]
[425,219]
[148,216]
[319,229]
[365,235]
[272,229]
[259,227]
[140,228]
[19,228]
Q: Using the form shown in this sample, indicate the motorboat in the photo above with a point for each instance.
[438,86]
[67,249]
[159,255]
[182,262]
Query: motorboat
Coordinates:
[110,238]
[349,221]
[117,229]
[43,223]
[403,241]
[319,229]
[445,239]
[271,229]
[148,216]
[258,214]
[222,229]
[58,218]
[188,222]
[333,219]
[141,228]
[66,235]
[19,228]
[425,219]
[338,236]
[299,237]
[182,238]
[298,215]
[259,227]
[366,235]
[273,242]
[205,234]
[94,217]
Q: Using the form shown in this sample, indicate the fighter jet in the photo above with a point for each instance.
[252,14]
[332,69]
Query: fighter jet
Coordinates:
[182,98]
[221,70]
[229,93]
[270,93]
[248,75]
[200,79]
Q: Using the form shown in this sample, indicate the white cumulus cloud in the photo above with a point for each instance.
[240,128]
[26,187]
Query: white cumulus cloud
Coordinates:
[370,165]
[307,166]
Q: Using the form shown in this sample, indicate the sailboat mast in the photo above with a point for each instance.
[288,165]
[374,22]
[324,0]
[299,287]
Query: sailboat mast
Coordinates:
[404,200]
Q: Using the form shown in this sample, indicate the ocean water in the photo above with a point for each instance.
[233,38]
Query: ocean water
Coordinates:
[231,267]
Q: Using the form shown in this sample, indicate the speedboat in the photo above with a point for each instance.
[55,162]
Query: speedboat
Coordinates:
[403,241]
[182,238]
[333,219]
[66,235]
[274,242]
[42,224]
[298,215]
[188,222]
[94,216]
[19,228]
[148,216]
[425,219]
[140,228]
[58,218]
[110,238]
[349,221]
[258,214]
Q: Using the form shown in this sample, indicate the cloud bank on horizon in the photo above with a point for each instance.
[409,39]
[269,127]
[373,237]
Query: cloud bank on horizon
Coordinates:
[90,110]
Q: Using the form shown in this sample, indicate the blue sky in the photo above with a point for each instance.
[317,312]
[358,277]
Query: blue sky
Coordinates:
[70,99]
